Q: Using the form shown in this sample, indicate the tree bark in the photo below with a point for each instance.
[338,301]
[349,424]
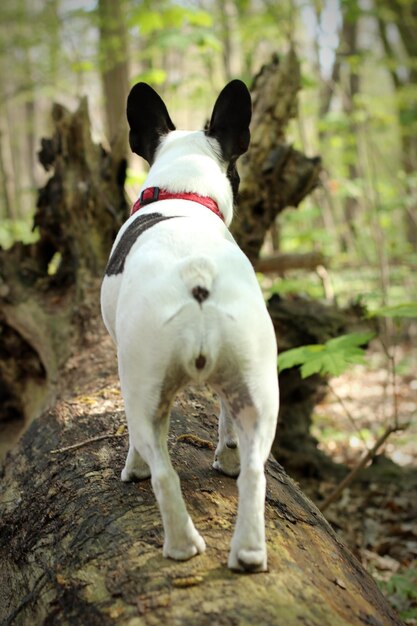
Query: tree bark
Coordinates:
[299,321]
[47,288]
[78,546]
[274,175]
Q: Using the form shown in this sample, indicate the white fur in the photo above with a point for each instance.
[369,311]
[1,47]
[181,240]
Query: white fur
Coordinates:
[160,330]
[196,168]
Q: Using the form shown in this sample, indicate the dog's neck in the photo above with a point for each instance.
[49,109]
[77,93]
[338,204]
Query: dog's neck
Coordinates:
[154,194]
[190,162]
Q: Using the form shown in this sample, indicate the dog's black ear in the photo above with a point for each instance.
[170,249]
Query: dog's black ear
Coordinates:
[230,120]
[148,119]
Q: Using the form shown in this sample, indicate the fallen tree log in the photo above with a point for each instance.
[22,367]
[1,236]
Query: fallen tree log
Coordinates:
[79,547]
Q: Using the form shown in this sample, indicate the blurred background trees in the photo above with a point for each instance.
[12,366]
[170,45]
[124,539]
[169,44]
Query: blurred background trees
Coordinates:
[357,108]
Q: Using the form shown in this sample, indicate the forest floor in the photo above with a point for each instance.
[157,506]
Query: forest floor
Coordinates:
[376,515]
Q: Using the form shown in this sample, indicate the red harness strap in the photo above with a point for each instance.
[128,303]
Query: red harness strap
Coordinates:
[154,194]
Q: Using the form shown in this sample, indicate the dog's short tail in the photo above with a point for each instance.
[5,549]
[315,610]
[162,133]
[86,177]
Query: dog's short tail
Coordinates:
[198,275]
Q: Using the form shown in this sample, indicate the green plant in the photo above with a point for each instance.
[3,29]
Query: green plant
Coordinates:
[405,309]
[331,358]
[401,591]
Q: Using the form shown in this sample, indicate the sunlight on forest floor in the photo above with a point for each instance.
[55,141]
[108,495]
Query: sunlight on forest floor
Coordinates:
[376,518]
[361,404]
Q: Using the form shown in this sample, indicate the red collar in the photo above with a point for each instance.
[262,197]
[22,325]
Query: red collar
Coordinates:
[154,194]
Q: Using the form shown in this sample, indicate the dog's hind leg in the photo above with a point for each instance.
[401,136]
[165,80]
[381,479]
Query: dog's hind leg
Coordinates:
[255,416]
[226,457]
[147,410]
[135,467]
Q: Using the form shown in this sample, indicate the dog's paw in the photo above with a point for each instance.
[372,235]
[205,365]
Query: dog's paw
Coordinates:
[186,548]
[248,560]
[134,475]
[226,459]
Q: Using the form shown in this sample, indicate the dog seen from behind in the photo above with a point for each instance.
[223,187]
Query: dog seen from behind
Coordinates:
[183,305]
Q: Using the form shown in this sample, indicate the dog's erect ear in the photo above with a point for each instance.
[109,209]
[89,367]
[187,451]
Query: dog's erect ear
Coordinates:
[230,120]
[148,119]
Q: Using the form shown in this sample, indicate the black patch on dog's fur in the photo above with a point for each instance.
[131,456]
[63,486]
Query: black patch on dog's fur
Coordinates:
[140,225]
[234,179]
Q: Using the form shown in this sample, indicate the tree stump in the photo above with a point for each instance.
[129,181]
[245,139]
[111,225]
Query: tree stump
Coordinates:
[47,288]
[274,175]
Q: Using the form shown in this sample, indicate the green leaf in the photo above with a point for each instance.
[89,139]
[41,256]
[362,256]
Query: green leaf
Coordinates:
[200,18]
[406,309]
[297,356]
[150,21]
[331,359]
[350,340]
[154,76]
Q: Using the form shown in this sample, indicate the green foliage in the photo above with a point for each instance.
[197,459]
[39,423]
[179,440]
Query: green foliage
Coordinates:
[401,591]
[331,358]
[300,283]
[405,309]
[134,178]
[16,230]
[171,27]
[156,76]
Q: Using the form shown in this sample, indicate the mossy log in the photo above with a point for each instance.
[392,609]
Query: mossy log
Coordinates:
[78,547]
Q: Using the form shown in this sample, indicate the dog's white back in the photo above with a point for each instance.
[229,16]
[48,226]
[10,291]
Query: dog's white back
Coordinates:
[183,305]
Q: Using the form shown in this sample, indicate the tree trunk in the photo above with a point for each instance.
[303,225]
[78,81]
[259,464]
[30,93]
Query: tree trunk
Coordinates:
[47,288]
[229,29]
[405,18]
[114,69]
[274,175]
[78,546]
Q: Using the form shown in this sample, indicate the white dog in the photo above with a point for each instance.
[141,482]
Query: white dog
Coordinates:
[183,304]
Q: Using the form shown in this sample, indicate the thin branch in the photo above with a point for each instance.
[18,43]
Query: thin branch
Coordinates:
[348,413]
[284,261]
[87,442]
[366,458]
[391,360]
